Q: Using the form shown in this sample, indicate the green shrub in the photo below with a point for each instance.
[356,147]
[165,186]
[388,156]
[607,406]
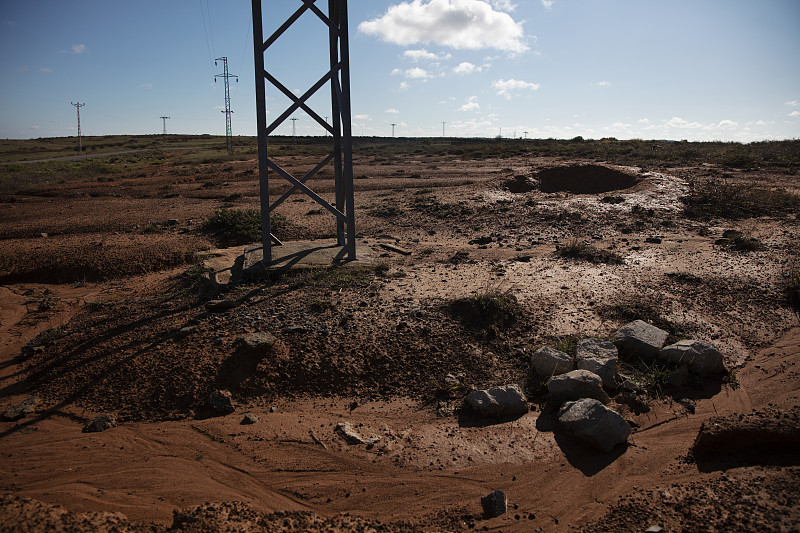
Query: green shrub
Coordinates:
[577,249]
[232,227]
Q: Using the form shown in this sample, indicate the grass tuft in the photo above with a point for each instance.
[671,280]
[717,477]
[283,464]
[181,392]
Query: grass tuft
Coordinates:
[578,249]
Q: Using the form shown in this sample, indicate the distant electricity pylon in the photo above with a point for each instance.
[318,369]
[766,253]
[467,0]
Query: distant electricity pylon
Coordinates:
[526,134]
[443,123]
[164,120]
[225,75]
[393,125]
[78,106]
[294,120]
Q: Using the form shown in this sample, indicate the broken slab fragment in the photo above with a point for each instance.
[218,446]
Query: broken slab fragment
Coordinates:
[498,401]
[551,362]
[702,357]
[351,436]
[256,343]
[594,423]
[639,339]
[576,385]
[600,357]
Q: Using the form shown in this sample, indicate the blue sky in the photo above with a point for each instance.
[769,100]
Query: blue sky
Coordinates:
[678,69]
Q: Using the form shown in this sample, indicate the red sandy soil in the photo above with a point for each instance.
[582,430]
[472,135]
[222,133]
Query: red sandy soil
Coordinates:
[374,351]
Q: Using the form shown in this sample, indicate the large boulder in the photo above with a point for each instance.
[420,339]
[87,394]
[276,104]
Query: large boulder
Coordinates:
[576,385]
[508,400]
[639,339]
[702,357]
[593,423]
[600,357]
[551,362]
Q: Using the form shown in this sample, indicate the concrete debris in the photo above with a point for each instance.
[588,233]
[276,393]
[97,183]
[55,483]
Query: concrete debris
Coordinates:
[639,339]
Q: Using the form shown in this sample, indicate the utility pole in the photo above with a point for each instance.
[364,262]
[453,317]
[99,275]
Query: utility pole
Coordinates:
[164,120]
[226,75]
[443,123]
[78,106]
[294,121]
[393,125]
[526,134]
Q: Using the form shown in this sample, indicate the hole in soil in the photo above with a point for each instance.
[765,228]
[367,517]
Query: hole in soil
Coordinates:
[584,179]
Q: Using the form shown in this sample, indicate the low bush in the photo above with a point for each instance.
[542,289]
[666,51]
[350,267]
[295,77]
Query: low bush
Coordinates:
[719,198]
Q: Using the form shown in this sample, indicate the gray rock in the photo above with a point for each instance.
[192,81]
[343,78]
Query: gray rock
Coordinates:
[221,400]
[494,504]
[350,435]
[100,423]
[702,357]
[25,407]
[639,339]
[654,529]
[576,385]
[249,418]
[498,401]
[551,362]
[593,423]
[600,357]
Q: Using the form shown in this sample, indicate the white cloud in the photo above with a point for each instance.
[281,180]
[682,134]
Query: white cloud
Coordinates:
[644,120]
[459,24]
[471,105]
[678,122]
[547,4]
[396,71]
[792,103]
[392,110]
[506,87]
[794,114]
[44,69]
[417,73]
[404,85]
[147,85]
[362,117]
[503,5]
[466,68]
[424,55]
[78,48]
[601,84]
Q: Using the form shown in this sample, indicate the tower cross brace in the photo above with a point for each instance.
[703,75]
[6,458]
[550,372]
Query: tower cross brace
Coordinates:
[340,128]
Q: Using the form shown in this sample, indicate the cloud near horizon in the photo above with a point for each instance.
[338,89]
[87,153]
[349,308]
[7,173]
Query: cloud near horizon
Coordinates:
[507,87]
[458,24]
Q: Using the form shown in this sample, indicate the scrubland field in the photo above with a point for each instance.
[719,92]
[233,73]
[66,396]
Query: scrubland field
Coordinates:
[473,255]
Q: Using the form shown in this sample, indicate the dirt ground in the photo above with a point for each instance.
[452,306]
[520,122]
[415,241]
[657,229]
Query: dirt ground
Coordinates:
[100,313]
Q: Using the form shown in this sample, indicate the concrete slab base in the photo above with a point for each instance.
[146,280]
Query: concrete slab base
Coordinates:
[299,255]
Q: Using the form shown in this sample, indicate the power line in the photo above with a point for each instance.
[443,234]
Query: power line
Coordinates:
[225,75]
[78,107]
[205,30]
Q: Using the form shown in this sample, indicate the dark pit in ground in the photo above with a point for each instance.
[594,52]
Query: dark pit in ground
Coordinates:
[585,179]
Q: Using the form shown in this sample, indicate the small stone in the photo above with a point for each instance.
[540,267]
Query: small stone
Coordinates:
[100,423]
[221,400]
[249,418]
[639,339]
[494,504]
[654,529]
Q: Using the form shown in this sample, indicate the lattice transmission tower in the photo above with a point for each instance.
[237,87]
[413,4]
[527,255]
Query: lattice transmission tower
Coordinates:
[225,75]
[341,155]
[78,106]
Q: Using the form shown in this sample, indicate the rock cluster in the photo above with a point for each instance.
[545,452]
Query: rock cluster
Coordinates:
[580,387]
